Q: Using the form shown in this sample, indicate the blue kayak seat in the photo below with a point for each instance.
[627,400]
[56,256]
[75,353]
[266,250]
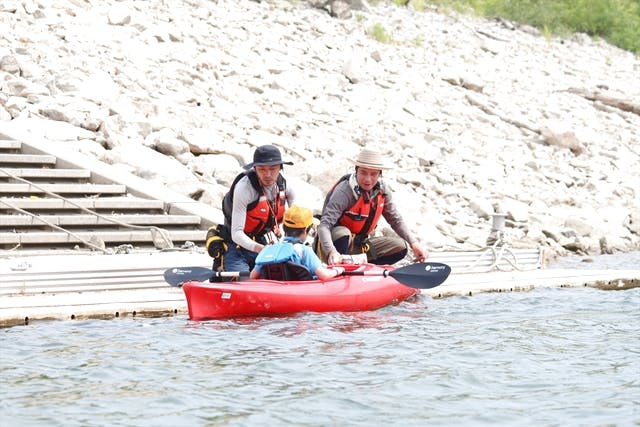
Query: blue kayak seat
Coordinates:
[285,272]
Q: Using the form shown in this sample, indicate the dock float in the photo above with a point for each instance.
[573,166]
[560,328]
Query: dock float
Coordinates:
[97,286]
[74,287]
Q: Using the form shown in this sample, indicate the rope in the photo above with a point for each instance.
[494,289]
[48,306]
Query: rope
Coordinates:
[160,237]
[498,250]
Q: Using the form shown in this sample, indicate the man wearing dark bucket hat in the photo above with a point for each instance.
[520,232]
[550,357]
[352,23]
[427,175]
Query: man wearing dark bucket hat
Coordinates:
[254,208]
[351,212]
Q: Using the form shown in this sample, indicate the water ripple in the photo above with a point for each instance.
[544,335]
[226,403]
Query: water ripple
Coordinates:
[552,357]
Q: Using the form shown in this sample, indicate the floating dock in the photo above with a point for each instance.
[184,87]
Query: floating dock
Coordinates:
[55,287]
[97,286]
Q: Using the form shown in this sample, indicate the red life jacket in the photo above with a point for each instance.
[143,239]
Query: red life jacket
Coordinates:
[362,218]
[262,217]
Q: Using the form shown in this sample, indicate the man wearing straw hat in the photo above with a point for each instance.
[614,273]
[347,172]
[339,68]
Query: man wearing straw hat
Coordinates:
[351,212]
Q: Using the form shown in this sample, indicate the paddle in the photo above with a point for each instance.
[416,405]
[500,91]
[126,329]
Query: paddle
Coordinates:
[178,275]
[424,275]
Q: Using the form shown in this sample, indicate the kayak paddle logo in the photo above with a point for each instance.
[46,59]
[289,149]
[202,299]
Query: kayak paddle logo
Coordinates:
[429,268]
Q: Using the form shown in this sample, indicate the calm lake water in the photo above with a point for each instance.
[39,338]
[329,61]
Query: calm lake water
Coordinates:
[548,357]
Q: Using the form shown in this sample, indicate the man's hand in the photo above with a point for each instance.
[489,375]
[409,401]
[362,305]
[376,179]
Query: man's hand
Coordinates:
[420,255]
[334,257]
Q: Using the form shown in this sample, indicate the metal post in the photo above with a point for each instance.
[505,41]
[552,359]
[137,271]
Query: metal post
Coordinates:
[497,227]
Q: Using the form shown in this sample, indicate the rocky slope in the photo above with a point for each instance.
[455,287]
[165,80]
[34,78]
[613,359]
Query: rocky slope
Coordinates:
[478,116]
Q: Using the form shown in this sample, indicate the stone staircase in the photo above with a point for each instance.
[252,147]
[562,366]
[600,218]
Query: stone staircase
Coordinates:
[46,203]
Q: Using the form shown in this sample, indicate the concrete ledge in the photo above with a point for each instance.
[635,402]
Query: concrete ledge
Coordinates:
[113,236]
[9,144]
[121,203]
[93,220]
[46,173]
[19,188]
[28,159]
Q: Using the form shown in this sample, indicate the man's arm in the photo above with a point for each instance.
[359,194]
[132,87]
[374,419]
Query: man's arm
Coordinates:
[341,199]
[290,194]
[395,220]
[243,194]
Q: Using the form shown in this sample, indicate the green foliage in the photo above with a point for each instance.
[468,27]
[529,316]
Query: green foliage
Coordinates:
[377,32]
[546,33]
[419,5]
[617,21]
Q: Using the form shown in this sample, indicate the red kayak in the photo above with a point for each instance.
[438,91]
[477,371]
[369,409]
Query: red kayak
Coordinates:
[369,291]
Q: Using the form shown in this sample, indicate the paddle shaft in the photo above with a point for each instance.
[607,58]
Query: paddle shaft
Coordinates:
[178,275]
[423,275]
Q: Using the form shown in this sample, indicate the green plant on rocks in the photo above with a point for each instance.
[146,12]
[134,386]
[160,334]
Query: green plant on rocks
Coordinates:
[378,33]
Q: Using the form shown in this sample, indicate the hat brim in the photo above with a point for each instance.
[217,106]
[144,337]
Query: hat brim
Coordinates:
[370,166]
[273,163]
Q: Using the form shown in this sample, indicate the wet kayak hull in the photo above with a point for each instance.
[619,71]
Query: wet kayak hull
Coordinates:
[207,300]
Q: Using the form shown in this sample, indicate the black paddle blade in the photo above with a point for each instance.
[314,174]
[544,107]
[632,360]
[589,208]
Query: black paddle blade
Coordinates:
[423,275]
[178,275]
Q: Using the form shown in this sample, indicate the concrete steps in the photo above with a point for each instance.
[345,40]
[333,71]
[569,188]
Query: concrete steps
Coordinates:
[45,202]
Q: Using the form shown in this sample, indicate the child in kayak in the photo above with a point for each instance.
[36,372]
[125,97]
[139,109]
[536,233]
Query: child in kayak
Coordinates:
[297,223]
